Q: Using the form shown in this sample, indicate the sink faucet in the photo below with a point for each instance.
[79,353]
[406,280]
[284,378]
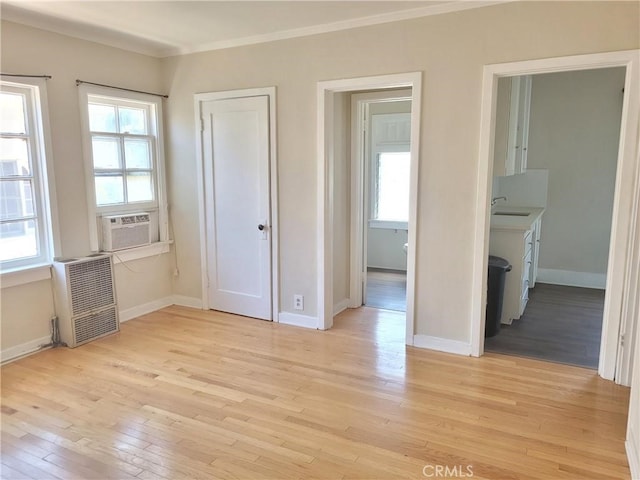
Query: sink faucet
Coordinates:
[495,200]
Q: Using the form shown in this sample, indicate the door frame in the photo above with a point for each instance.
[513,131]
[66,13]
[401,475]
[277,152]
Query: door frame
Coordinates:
[199,98]
[627,188]
[360,187]
[325,164]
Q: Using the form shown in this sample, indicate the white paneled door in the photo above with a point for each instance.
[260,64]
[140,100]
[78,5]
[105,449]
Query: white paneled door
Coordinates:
[235,145]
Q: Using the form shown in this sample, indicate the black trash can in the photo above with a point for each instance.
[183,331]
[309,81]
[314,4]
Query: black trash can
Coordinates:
[498,268]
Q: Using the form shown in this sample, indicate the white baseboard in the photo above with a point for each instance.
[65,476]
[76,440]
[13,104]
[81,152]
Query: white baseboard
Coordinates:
[298,320]
[572,279]
[13,353]
[138,310]
[633,455]
[185,301]
[341,306]
[442,344]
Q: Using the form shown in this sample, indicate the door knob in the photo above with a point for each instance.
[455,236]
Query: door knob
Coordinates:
[261,227]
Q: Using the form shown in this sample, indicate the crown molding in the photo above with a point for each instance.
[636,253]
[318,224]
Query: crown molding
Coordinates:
[155,48]
[90,33]
[439,9]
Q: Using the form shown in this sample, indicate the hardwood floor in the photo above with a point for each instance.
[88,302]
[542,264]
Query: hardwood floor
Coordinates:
[387,289]
[182,393]
[560,324]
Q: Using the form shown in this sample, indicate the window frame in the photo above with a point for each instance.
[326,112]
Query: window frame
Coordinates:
[42,177]
[155,132]
[375,222]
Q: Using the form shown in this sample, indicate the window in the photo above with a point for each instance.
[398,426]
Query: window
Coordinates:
[391,187]
[123,153]
[123,138]
[25,212]
[390,167]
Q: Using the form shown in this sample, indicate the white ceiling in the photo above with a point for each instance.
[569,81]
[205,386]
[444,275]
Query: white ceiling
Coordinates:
[165,28]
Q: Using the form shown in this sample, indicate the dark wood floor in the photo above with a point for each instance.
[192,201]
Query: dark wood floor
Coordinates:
[560,324]
[386,289]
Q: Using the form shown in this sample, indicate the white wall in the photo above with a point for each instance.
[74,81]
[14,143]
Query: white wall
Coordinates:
[574,134]
[450,50]
[26,310]
[384,248]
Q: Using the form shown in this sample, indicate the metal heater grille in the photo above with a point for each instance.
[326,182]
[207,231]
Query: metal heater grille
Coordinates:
[92,326]
[91,285]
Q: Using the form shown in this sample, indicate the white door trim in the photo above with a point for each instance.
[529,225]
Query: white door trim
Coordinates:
[199,98]
[626,189]
[326,89]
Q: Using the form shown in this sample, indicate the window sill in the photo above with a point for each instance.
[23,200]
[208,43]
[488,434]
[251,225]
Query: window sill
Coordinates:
[25,275]
[158,248]
[389,225]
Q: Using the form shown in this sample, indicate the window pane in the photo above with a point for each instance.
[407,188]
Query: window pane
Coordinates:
[139,187]
[393,186]
[106,153]
[109,189]
[137,153]
[102,118]
[12,118]
[16,199]
[18,240]
[14,157]
[132,120]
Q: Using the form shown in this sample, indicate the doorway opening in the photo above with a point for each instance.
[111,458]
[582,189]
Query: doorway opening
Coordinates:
[342,189]
[563,172]
[381,161]
[618,320]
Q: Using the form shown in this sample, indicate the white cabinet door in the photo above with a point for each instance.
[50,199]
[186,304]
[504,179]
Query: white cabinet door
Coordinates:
[511,137]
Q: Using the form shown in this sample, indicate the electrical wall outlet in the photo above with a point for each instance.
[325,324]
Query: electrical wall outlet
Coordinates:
[298,302]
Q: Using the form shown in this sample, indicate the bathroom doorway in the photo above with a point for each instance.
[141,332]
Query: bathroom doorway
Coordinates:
[381,156]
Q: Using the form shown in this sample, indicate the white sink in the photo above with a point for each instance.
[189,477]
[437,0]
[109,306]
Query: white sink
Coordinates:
[513,214]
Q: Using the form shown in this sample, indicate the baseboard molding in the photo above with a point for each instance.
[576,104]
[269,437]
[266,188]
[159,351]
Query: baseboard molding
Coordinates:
[572,279]
[298,320]
[442,344]
[138,310]
[633,455]
[18,351]
[341,306]
[185,301]
[13,353]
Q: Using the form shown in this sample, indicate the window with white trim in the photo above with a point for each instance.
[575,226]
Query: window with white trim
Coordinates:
[391,187]
[123,154]
[26,235]
[390,170]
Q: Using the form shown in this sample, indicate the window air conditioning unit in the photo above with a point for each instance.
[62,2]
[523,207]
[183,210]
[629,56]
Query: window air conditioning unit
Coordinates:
[125,231]
[85,298]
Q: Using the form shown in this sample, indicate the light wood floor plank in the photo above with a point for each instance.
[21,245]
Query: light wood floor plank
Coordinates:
[189,394]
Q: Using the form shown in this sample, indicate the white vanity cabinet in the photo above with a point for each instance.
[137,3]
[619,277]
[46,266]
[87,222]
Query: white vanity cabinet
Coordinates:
[515,236]
[516,246]
[511,139]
